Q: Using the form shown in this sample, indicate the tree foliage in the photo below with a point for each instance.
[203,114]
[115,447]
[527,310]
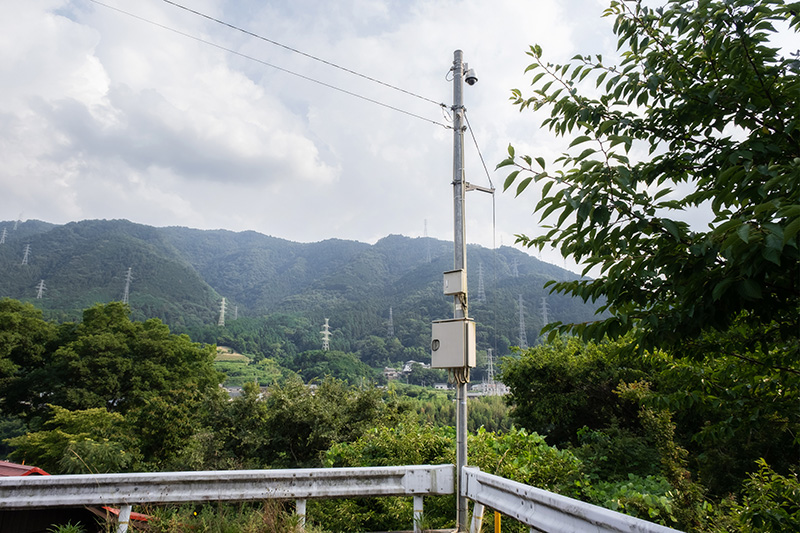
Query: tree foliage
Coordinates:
[699,116]
[77,442]
[564,386]
[105,361]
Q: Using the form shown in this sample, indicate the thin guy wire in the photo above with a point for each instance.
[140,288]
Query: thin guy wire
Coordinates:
[251,58]
[494,211]
[296,51]
[472,133]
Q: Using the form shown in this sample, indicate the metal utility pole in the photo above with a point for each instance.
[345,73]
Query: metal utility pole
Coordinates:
[453,340]
[460,309]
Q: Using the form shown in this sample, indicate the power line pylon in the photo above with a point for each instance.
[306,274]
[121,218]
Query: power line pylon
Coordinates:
[390,325]
[26,254]
[3,236]
[40,288]
[491,386]
[326,336]
[222,306]
[127,291]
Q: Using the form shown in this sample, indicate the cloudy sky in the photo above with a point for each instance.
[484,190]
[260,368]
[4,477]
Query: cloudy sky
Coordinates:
[106,115]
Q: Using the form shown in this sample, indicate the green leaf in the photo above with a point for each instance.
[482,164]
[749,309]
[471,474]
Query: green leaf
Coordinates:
[523,185]
[546,188]
[672,228]
[743,232]
[791,230]
[749,289]
[510,179]
[579,140]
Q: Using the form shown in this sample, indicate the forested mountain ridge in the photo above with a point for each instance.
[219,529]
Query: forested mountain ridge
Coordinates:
[180,275]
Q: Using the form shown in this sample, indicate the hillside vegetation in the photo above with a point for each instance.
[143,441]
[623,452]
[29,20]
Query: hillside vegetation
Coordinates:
[277,292]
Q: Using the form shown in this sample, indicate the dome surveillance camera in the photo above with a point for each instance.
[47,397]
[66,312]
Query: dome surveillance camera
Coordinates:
[470,77]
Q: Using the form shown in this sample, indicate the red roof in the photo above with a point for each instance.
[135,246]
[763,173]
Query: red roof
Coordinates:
[13,469]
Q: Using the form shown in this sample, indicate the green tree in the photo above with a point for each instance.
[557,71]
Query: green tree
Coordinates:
[771,503]
[78,442]
[25,339]
[563,386]
[317,364]
[701,114]
[109,361]
[305,420]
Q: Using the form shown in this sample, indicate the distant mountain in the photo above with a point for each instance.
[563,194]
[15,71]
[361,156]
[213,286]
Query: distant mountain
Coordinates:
[180,276]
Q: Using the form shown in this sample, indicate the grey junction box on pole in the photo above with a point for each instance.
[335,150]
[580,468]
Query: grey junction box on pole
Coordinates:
[453,343]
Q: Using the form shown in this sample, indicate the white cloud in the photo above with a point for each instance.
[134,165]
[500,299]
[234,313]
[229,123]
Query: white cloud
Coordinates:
[107,116]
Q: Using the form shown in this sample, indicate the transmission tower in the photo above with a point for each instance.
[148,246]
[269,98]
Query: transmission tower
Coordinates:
[26,254]
[523,338]
[222,313]
[127,291]
[545,319]
[481,297]
[3,236]
[515,268]
[390,324]
[235,312]
[491,386]
[326,336]
[40,288]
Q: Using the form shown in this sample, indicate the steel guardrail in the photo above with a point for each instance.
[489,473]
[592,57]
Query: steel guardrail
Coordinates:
[546,511]
[33,492]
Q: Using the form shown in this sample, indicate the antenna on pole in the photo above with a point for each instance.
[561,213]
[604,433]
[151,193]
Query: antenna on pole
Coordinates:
[127,291]
[326,336]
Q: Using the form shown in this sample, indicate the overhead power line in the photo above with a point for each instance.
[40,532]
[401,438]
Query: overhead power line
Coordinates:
[296,51]
[271,65]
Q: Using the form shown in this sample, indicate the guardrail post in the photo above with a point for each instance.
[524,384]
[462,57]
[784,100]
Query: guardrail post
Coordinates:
[477,518]
[124,518]
[300,511]
[417,514]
